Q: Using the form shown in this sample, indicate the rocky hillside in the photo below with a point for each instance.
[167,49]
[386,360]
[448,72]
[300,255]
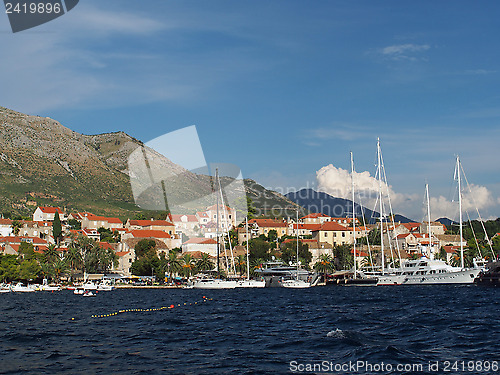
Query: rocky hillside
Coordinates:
[44,163]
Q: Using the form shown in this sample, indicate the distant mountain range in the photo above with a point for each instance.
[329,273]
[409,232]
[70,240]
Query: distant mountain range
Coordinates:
[319,202]
[44,163]
[447,222]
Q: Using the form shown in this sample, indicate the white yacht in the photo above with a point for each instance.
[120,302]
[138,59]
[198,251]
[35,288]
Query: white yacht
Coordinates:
[4,288]
[214,284]
[295,284]
[249,283]
[20,287]
[430,271]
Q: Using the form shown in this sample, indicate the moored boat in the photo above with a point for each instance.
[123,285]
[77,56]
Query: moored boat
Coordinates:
[209,283]
[295,284]
[490,276]
[20,287]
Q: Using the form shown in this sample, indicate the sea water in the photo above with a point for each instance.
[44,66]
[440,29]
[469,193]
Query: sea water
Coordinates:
[332,329]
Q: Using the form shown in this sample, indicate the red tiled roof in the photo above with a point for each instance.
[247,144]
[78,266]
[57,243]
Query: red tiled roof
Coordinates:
[147,233]
[91,216]
[105,245]
[50,210]
[268,223]
[451,249]
[201,240]
[18,239]
[359,253]
[198,254]
[190,218]
[122,253]
[5,222]
[332,226]
[314,216]
[311,227]
[307,240]
[202,214]
[411,226]
[147,223]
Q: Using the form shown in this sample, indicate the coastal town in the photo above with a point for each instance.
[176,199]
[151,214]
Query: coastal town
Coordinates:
[191,239]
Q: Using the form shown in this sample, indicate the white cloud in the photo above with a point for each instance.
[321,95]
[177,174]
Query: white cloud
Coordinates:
[337,183]
[477,197]
[403,51]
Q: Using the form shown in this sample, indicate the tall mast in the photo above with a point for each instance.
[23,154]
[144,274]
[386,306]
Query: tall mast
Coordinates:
[297,243]
[217,219]
[429,218]
[460,213]
[379,156]
[353,215]
[248,260]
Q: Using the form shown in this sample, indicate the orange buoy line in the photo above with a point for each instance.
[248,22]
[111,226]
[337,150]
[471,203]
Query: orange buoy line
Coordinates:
[205,299]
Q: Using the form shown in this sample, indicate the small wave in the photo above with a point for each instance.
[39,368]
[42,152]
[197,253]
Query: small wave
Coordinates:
[338,333]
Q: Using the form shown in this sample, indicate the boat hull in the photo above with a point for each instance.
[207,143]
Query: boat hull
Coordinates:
[295,284]
[251,284]
[459,277]
[214,284]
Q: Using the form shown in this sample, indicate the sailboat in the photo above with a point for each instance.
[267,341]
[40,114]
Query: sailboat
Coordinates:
[296,283]
[249,283]
[427,269]
[216,283]
[358,278]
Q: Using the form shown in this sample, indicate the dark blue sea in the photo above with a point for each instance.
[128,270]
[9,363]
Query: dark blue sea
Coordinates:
[336,330]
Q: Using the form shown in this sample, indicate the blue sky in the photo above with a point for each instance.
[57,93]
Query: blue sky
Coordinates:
[280,88]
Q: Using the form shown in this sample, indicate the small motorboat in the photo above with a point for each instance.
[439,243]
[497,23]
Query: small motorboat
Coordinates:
[20,287]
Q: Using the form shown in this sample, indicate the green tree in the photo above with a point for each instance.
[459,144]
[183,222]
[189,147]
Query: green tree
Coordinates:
[57,228]
[16,227]
[343,257]
[9,267]
[73,257]
[272,236]
[442,254]
[204,263]
[50,255]
[145,248]
[259,248]
[74,224]
[241,264]
[324,264]
[174,264]
[29,269]
[107,235]
[59,267]
[188,265]
[289,252]
[27,251]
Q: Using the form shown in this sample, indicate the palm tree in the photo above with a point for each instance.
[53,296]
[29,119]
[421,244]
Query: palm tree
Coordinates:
[60,267]
[241,264]
[74,259]
[188,265]
[51,255]
[255,264]
[204,263]
[174,264]
[324,264]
